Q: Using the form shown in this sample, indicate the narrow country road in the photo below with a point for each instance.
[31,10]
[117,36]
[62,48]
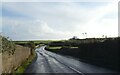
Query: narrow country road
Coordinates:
[48,62]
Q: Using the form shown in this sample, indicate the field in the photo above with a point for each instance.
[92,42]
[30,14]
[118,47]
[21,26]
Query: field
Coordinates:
[45,42]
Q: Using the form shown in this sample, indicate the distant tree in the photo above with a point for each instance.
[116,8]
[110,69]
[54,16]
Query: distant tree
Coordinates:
[85,34]
[102,36]
[106,36]
[74,38]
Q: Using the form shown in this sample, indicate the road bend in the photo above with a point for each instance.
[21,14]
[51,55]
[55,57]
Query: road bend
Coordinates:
[51,63]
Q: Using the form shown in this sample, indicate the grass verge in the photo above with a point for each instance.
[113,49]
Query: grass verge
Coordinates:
[59,47]
[20,70]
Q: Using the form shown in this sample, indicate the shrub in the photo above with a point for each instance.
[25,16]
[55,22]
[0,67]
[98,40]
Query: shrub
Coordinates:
[32,46]
[7,45]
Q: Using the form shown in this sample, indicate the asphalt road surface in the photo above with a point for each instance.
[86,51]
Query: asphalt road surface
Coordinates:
[49,63]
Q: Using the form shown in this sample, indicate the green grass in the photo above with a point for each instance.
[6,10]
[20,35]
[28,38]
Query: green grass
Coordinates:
[73,47]
[58,47]
[36,41]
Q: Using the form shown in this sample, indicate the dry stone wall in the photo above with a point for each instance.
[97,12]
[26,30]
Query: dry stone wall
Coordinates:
[11,62]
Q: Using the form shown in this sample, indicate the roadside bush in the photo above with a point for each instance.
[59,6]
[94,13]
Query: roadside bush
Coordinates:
[32,46]
[102,53]
[7,45]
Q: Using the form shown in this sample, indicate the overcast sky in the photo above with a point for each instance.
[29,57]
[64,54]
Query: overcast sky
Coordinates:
[59,20]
